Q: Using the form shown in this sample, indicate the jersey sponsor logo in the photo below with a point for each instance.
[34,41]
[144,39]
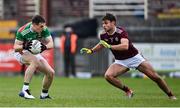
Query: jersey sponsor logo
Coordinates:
[29,38]
[111,39]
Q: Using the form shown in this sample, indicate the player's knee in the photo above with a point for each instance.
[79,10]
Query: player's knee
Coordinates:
[35,62]
[108,76]
[51,74]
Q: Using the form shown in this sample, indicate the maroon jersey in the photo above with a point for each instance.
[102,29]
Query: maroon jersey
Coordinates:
[115,39]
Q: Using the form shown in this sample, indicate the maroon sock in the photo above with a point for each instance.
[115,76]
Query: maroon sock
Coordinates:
[170,94]
[125,88]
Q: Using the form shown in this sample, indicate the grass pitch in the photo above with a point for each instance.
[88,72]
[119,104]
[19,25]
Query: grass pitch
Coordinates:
[95,92]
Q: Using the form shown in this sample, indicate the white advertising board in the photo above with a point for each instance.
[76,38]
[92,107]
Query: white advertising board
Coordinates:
[161,56]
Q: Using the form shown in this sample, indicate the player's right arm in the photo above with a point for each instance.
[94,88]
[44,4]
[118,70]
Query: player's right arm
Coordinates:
[96,48]
[92,50]
[18,45]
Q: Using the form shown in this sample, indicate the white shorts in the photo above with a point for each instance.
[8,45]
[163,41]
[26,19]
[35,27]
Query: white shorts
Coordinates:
[132,62]
[18,57]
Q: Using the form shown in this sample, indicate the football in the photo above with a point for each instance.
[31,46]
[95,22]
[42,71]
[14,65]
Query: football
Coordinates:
[35,48]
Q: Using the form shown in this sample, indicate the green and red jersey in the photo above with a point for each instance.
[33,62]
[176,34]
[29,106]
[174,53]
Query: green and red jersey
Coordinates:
[25,33]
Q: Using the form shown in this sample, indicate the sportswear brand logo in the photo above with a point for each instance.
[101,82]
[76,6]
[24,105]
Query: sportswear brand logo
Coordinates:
[111,39]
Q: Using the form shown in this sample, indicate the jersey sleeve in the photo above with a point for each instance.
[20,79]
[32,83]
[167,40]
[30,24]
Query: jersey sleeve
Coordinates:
[123,33]
[46,32]
[19,36]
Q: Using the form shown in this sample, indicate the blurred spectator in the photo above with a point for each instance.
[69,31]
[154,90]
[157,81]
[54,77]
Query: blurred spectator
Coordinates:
[68,49]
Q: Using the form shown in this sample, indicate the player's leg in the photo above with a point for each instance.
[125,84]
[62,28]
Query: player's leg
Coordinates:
[112,74]
[32,63]
[148,70]
[48,78]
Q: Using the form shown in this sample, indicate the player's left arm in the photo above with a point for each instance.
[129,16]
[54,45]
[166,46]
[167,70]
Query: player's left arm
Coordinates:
[124,45]
[49,42]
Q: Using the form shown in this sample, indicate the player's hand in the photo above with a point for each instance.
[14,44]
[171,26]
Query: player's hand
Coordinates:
[86,50]
[105,44]
[43,47]
[27,45]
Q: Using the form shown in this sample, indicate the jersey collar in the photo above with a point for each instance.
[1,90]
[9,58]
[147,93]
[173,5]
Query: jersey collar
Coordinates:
[31,28]
[113,31]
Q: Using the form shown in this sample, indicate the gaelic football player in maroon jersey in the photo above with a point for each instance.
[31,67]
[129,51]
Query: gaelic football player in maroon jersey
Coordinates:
[126,57]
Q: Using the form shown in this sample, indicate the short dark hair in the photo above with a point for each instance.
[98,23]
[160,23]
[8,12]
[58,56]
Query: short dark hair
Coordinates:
[38,19]
[109,17]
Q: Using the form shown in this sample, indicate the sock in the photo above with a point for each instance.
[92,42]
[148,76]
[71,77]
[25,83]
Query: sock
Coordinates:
[44,93]
[125,88]
[170,94]
[25,86]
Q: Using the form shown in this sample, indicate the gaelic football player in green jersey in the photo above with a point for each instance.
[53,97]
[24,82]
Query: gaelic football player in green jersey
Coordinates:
[34,30]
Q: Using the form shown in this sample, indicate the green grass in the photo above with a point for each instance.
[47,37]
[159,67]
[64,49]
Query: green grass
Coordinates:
[95,92]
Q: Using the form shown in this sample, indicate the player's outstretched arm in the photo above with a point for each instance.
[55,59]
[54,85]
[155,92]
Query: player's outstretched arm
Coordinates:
[86,51]
[90,51]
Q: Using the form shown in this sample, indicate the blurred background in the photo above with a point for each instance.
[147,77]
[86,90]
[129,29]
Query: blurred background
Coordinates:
[153,26]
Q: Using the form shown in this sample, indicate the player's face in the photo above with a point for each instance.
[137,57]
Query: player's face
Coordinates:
[38,27]
[108,25]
